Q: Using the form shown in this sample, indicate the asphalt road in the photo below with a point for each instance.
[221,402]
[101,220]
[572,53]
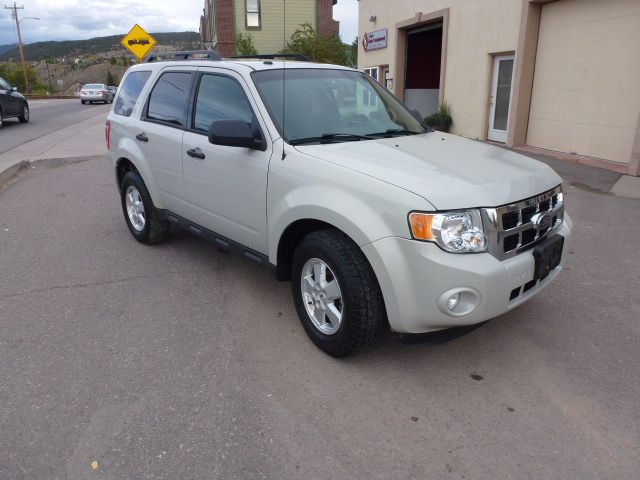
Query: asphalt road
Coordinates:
[179,362]
[46,116]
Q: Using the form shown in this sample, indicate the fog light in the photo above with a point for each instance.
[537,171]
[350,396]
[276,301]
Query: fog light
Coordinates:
[453,301]
[459,301]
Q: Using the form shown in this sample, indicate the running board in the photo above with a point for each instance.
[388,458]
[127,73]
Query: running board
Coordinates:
[222,243]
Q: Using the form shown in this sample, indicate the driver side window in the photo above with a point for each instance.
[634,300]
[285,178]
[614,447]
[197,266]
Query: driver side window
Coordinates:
[220,98]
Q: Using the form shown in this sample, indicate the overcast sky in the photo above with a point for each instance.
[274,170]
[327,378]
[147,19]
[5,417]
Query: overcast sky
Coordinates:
[81,19]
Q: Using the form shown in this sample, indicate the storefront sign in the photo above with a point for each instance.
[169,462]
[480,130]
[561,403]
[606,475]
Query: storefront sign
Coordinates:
[375,40]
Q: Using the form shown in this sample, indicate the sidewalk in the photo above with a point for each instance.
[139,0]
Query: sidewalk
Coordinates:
[77,141]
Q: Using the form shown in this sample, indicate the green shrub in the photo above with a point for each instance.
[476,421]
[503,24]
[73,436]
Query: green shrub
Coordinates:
[440,120]
[244,44]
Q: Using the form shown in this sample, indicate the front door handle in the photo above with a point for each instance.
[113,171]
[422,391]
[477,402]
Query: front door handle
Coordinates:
[196,153]
[142,137]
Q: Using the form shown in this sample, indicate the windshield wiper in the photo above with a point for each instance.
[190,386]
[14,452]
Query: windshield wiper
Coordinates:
[330,137]
[395,131]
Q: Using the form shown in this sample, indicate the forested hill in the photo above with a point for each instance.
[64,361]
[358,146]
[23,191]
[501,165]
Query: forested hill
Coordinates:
[43,50]
[4,48]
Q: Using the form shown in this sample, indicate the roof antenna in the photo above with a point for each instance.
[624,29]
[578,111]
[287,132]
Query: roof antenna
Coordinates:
[284,69]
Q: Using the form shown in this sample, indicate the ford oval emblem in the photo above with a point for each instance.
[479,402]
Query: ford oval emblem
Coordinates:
[541,221]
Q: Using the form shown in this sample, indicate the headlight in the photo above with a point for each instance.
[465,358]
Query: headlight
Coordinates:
[457,232]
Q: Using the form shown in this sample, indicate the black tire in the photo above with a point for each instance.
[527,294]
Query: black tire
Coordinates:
[1,120]
[83,102]
[155,228]
[363,310]
[24,116]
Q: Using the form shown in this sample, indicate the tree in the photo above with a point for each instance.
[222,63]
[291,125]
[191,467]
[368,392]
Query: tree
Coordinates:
[305,40]
[112,79]
[244,44]
[12,73]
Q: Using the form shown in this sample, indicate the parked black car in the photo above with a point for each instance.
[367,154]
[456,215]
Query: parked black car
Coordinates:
[12,103]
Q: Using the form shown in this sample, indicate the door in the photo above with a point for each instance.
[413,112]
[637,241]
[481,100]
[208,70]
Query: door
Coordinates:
[500,99]
[10,103]
[226,186]
[159,135]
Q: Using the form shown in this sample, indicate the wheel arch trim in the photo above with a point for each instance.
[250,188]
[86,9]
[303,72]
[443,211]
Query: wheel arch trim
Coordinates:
[129,151]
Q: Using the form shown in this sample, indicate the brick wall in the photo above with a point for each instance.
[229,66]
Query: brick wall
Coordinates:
[225,29]
[327,26]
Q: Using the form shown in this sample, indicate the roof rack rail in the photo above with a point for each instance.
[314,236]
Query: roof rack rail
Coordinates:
[183,55]
[273,56]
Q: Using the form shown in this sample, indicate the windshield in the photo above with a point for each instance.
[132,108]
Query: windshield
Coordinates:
[325,106]
[93,86]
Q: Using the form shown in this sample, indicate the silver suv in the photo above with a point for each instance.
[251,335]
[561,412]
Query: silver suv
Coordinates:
[321,175]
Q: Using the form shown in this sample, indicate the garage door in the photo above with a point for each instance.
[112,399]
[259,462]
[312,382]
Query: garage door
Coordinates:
[586,88]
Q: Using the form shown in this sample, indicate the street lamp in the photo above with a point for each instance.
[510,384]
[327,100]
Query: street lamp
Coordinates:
[24,66]
[14,14]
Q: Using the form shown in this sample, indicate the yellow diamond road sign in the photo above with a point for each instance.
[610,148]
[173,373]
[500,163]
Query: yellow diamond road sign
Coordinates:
[138,42]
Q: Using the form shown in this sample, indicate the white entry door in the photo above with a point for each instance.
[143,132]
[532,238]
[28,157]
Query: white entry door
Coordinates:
[500,99]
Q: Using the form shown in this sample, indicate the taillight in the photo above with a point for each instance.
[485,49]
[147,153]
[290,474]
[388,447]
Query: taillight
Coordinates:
[107,132]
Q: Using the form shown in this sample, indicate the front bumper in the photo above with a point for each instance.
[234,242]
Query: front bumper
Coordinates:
[416,276]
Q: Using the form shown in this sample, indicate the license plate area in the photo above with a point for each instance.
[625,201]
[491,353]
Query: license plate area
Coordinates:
[547,255]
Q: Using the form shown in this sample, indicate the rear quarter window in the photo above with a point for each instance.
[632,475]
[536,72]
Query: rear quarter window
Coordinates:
[130,91]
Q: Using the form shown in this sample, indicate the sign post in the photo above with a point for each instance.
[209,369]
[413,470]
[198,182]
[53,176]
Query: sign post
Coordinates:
[138,42]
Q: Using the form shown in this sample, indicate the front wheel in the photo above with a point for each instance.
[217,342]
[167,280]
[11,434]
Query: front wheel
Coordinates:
[24,116]
[142,217]
[336,293]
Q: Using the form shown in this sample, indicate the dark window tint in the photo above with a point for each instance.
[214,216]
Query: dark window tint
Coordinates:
[220,98]
[129,92]
[4,85]
[169,98]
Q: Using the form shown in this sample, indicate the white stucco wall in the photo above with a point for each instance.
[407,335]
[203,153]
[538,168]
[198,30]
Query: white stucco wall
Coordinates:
[477,29]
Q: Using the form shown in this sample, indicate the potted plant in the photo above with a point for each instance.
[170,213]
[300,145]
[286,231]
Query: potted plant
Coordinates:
[440,120]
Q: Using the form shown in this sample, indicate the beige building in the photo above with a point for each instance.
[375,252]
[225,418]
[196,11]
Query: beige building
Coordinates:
[560,75]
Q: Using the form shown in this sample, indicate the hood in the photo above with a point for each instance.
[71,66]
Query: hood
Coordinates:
[450,172]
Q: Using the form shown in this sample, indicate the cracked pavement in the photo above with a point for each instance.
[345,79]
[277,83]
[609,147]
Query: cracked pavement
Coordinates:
[178,361]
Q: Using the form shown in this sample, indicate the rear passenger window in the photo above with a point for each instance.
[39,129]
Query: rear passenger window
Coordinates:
[129,92]
[169,98]
[220,98]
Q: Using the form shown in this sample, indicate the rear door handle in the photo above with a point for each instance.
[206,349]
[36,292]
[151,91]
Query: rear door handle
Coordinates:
[196,153]
[142,137]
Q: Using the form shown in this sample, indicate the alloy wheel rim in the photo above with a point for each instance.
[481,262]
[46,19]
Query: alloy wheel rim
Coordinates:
[321,296]
[135,208]
[25,112]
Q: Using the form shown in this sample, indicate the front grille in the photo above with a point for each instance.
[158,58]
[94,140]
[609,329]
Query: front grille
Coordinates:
[512,229]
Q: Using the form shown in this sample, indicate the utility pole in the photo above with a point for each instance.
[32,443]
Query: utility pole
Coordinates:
[14,14]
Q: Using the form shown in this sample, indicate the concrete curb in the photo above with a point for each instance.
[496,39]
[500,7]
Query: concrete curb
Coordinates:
[9,173]
[51,97]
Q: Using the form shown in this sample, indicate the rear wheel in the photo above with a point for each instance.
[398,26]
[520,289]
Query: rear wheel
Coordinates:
[24,116]
[83,102]
[143,219]
[336,293]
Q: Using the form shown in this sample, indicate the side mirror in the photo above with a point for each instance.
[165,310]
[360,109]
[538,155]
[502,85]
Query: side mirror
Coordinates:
[14,89]
[234,133]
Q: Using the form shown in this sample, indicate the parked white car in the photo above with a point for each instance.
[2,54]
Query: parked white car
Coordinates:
[96,92]
[320,174]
